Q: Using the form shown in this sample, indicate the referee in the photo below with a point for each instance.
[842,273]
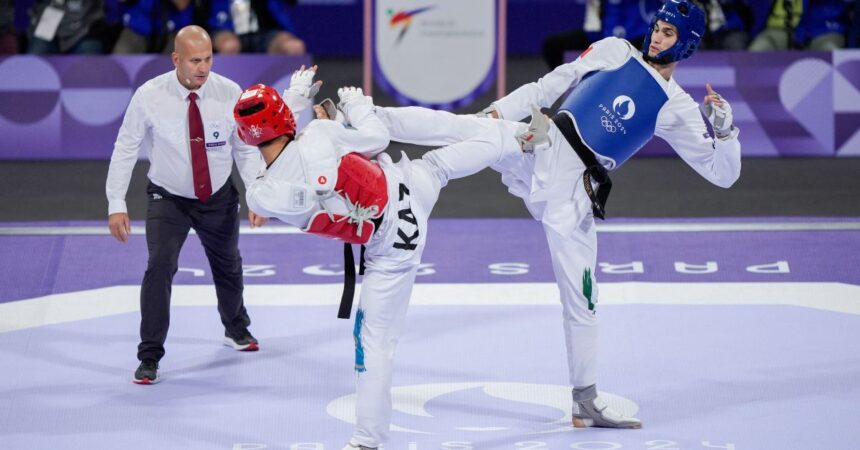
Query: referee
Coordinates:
[186,117]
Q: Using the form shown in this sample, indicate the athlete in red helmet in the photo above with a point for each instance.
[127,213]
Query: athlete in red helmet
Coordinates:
[258,104]
[332,179]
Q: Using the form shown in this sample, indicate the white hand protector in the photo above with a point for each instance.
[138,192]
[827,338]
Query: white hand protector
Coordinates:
[535,135]
[302,82]
[720,117]
[354,103]
[349,95]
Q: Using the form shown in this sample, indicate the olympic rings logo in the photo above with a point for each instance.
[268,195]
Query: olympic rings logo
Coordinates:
[607,124]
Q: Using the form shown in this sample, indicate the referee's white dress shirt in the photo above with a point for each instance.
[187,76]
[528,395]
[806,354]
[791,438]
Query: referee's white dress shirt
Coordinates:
[157,120]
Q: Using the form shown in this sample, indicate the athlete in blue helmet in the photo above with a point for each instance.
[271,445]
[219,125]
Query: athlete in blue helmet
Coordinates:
[688,22]
[620,98]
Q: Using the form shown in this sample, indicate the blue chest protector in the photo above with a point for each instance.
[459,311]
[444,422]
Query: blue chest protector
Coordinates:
[616,111]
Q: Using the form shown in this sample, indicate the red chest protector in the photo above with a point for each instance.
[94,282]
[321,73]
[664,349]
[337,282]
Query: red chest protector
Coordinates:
[361,185]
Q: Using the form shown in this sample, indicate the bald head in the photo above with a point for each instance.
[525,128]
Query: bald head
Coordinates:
[192,38]
[192,56]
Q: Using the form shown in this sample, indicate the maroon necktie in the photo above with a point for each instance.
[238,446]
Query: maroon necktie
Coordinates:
[199,162]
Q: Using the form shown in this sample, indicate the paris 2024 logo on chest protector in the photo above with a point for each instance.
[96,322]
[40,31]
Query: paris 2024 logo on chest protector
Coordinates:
[624,107]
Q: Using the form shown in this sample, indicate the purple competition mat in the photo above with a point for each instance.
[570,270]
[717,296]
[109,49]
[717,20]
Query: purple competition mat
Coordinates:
[726,339]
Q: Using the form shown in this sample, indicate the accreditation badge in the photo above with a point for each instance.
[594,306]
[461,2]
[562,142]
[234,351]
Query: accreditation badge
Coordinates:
[216,137]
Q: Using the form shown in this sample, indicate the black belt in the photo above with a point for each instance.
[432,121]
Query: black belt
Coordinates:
[349,274]
[593,169]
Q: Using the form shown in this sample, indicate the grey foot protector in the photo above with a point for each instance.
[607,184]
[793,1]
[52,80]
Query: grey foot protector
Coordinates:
[589,410]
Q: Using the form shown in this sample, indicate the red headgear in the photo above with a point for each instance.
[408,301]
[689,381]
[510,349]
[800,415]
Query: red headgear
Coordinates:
[261,115]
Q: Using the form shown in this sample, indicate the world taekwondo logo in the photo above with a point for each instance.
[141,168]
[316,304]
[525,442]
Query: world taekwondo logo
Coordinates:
[256,131]
[454,408]
[404,19]
[624,107]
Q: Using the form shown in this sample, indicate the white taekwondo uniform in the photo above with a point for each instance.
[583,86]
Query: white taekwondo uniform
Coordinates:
[618,103]
[296,188]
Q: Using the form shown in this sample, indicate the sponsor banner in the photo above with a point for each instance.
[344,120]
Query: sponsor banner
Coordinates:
[434,53]
[785,103]
[66,107]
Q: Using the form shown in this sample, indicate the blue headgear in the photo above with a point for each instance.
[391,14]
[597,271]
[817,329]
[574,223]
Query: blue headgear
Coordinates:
[690,21]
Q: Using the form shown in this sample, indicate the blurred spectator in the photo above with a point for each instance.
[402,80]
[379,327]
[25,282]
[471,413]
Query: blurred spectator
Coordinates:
[854,28]
[555,45]
[150,26]
[628,19]
[728,21]
[67,26]
[729,24]
[824,24]
[805,24]
[258,26]
[114,10]
[8,38]
[215,17]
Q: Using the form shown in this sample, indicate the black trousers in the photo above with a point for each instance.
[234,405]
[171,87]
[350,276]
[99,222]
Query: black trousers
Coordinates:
[168,221]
